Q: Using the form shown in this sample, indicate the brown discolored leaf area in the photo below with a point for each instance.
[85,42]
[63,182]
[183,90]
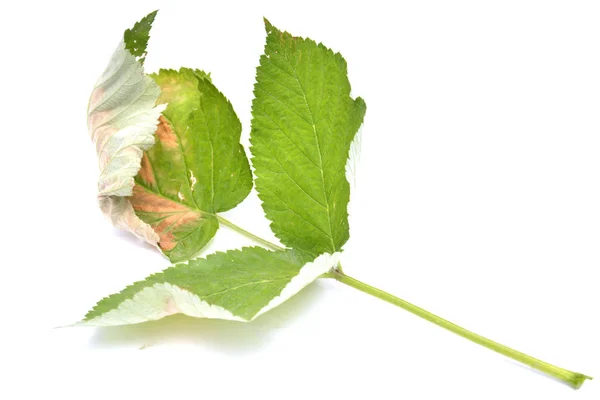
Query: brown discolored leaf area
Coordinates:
[162,198]
[146,173]
[165,134]
[168,217]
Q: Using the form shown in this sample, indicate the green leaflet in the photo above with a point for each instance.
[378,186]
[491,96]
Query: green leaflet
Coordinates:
[122,118]
[304,121]
[197,167]
[237,285]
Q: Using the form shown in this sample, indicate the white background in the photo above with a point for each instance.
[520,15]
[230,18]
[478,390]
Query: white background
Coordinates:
[477,198]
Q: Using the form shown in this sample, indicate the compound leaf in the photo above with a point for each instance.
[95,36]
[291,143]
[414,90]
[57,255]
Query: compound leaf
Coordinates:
[237,285]
[304,121]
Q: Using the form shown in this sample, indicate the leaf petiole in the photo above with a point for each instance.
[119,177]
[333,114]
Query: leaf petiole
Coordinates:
[573,379]
[244,232]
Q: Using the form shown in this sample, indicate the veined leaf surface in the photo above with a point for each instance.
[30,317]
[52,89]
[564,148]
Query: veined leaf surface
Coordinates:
[237,285]
[122,118]
[304,121]
[197,167]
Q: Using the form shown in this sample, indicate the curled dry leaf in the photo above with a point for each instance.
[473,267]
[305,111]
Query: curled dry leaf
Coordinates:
[122,118]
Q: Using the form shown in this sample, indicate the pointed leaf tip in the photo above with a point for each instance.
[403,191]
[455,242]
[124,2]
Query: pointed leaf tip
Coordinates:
[268,26]
[136,38]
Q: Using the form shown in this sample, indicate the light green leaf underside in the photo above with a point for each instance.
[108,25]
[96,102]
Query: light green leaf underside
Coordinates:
[122,118]
[304,121]
[197,167]
[237,285]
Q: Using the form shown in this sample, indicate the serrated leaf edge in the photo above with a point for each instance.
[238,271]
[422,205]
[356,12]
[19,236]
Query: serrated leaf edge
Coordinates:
[163,299]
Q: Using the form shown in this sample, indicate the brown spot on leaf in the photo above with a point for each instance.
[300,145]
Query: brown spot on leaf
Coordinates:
[146,173]
[168,218]
[165,134]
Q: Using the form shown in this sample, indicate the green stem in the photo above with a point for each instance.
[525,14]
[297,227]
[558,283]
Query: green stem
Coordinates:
[244,232]
[573,379]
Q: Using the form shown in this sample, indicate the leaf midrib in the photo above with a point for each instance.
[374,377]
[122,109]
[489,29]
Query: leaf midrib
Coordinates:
[265,281]
[320,166]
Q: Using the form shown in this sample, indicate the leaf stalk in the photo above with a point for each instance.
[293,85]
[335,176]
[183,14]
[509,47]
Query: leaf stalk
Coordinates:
[244,232]
[573,379]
